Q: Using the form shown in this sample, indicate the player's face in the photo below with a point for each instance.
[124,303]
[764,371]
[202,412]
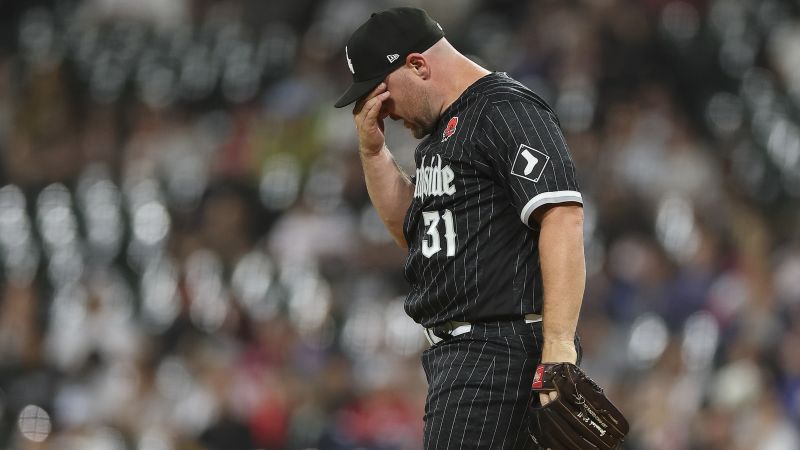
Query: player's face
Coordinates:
[409,101]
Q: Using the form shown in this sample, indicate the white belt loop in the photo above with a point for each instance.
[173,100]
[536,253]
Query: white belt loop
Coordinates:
[453,329]
[531,318]
[461,329]
[432,338]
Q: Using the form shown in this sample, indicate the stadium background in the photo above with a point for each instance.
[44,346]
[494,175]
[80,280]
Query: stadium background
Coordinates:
[189,259]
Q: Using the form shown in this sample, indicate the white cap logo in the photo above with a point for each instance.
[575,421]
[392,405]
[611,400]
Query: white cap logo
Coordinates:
[349,63]
[392,58]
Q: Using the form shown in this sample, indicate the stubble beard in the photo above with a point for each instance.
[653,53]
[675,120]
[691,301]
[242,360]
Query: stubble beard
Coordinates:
[423,126]
[419,131]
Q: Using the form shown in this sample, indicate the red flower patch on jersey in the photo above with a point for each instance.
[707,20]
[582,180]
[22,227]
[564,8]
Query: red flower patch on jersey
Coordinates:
[450,129]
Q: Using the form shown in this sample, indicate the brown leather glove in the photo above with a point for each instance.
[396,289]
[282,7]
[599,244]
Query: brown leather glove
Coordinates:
[581,417]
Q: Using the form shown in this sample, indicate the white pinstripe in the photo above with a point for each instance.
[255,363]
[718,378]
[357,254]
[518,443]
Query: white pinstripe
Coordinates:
[441,388]
[466,422]
[556,146]
[520,385]
[486,413]
[466,248]
[449,392]
[503,399]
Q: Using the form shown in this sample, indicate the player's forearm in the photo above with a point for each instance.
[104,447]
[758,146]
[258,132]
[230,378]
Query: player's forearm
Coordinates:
[390,190]
[564,276]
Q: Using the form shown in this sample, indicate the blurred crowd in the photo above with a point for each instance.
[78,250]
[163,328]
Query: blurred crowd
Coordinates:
[189,259]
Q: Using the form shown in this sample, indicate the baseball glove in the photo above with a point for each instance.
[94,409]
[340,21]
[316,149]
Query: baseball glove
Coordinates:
[581,417]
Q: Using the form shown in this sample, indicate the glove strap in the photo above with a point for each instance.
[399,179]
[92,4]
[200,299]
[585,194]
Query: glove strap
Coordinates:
[538,377]
[543,377]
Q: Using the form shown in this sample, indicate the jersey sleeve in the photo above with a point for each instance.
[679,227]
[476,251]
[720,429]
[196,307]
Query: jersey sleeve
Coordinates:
[523,143]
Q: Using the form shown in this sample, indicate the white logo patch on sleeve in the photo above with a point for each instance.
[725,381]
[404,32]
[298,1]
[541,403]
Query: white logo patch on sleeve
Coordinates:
[529,163]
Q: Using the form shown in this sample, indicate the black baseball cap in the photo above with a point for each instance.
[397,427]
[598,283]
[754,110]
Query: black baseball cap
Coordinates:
[381,45]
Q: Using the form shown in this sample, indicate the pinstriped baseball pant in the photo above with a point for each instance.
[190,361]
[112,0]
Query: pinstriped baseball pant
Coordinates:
[479,384]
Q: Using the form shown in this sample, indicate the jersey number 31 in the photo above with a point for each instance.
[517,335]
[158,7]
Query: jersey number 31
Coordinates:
[431,243]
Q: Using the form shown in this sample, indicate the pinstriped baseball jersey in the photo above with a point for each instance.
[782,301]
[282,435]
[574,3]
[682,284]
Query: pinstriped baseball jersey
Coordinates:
[495,156]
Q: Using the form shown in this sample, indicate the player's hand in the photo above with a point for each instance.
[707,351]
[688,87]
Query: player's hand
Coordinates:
[368,117]
[557,352]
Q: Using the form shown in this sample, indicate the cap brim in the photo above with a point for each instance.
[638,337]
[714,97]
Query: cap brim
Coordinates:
[357,90]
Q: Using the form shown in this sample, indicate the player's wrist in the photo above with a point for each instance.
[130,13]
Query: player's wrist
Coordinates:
[557,351]
[370,151]
[559,340]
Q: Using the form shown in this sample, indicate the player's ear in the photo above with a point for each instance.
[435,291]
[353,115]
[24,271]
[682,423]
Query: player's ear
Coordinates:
[419,65]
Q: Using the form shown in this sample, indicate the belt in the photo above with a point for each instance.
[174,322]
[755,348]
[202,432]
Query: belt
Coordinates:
[454,328]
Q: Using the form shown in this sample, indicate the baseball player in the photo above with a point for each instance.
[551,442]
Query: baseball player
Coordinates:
[492,220]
